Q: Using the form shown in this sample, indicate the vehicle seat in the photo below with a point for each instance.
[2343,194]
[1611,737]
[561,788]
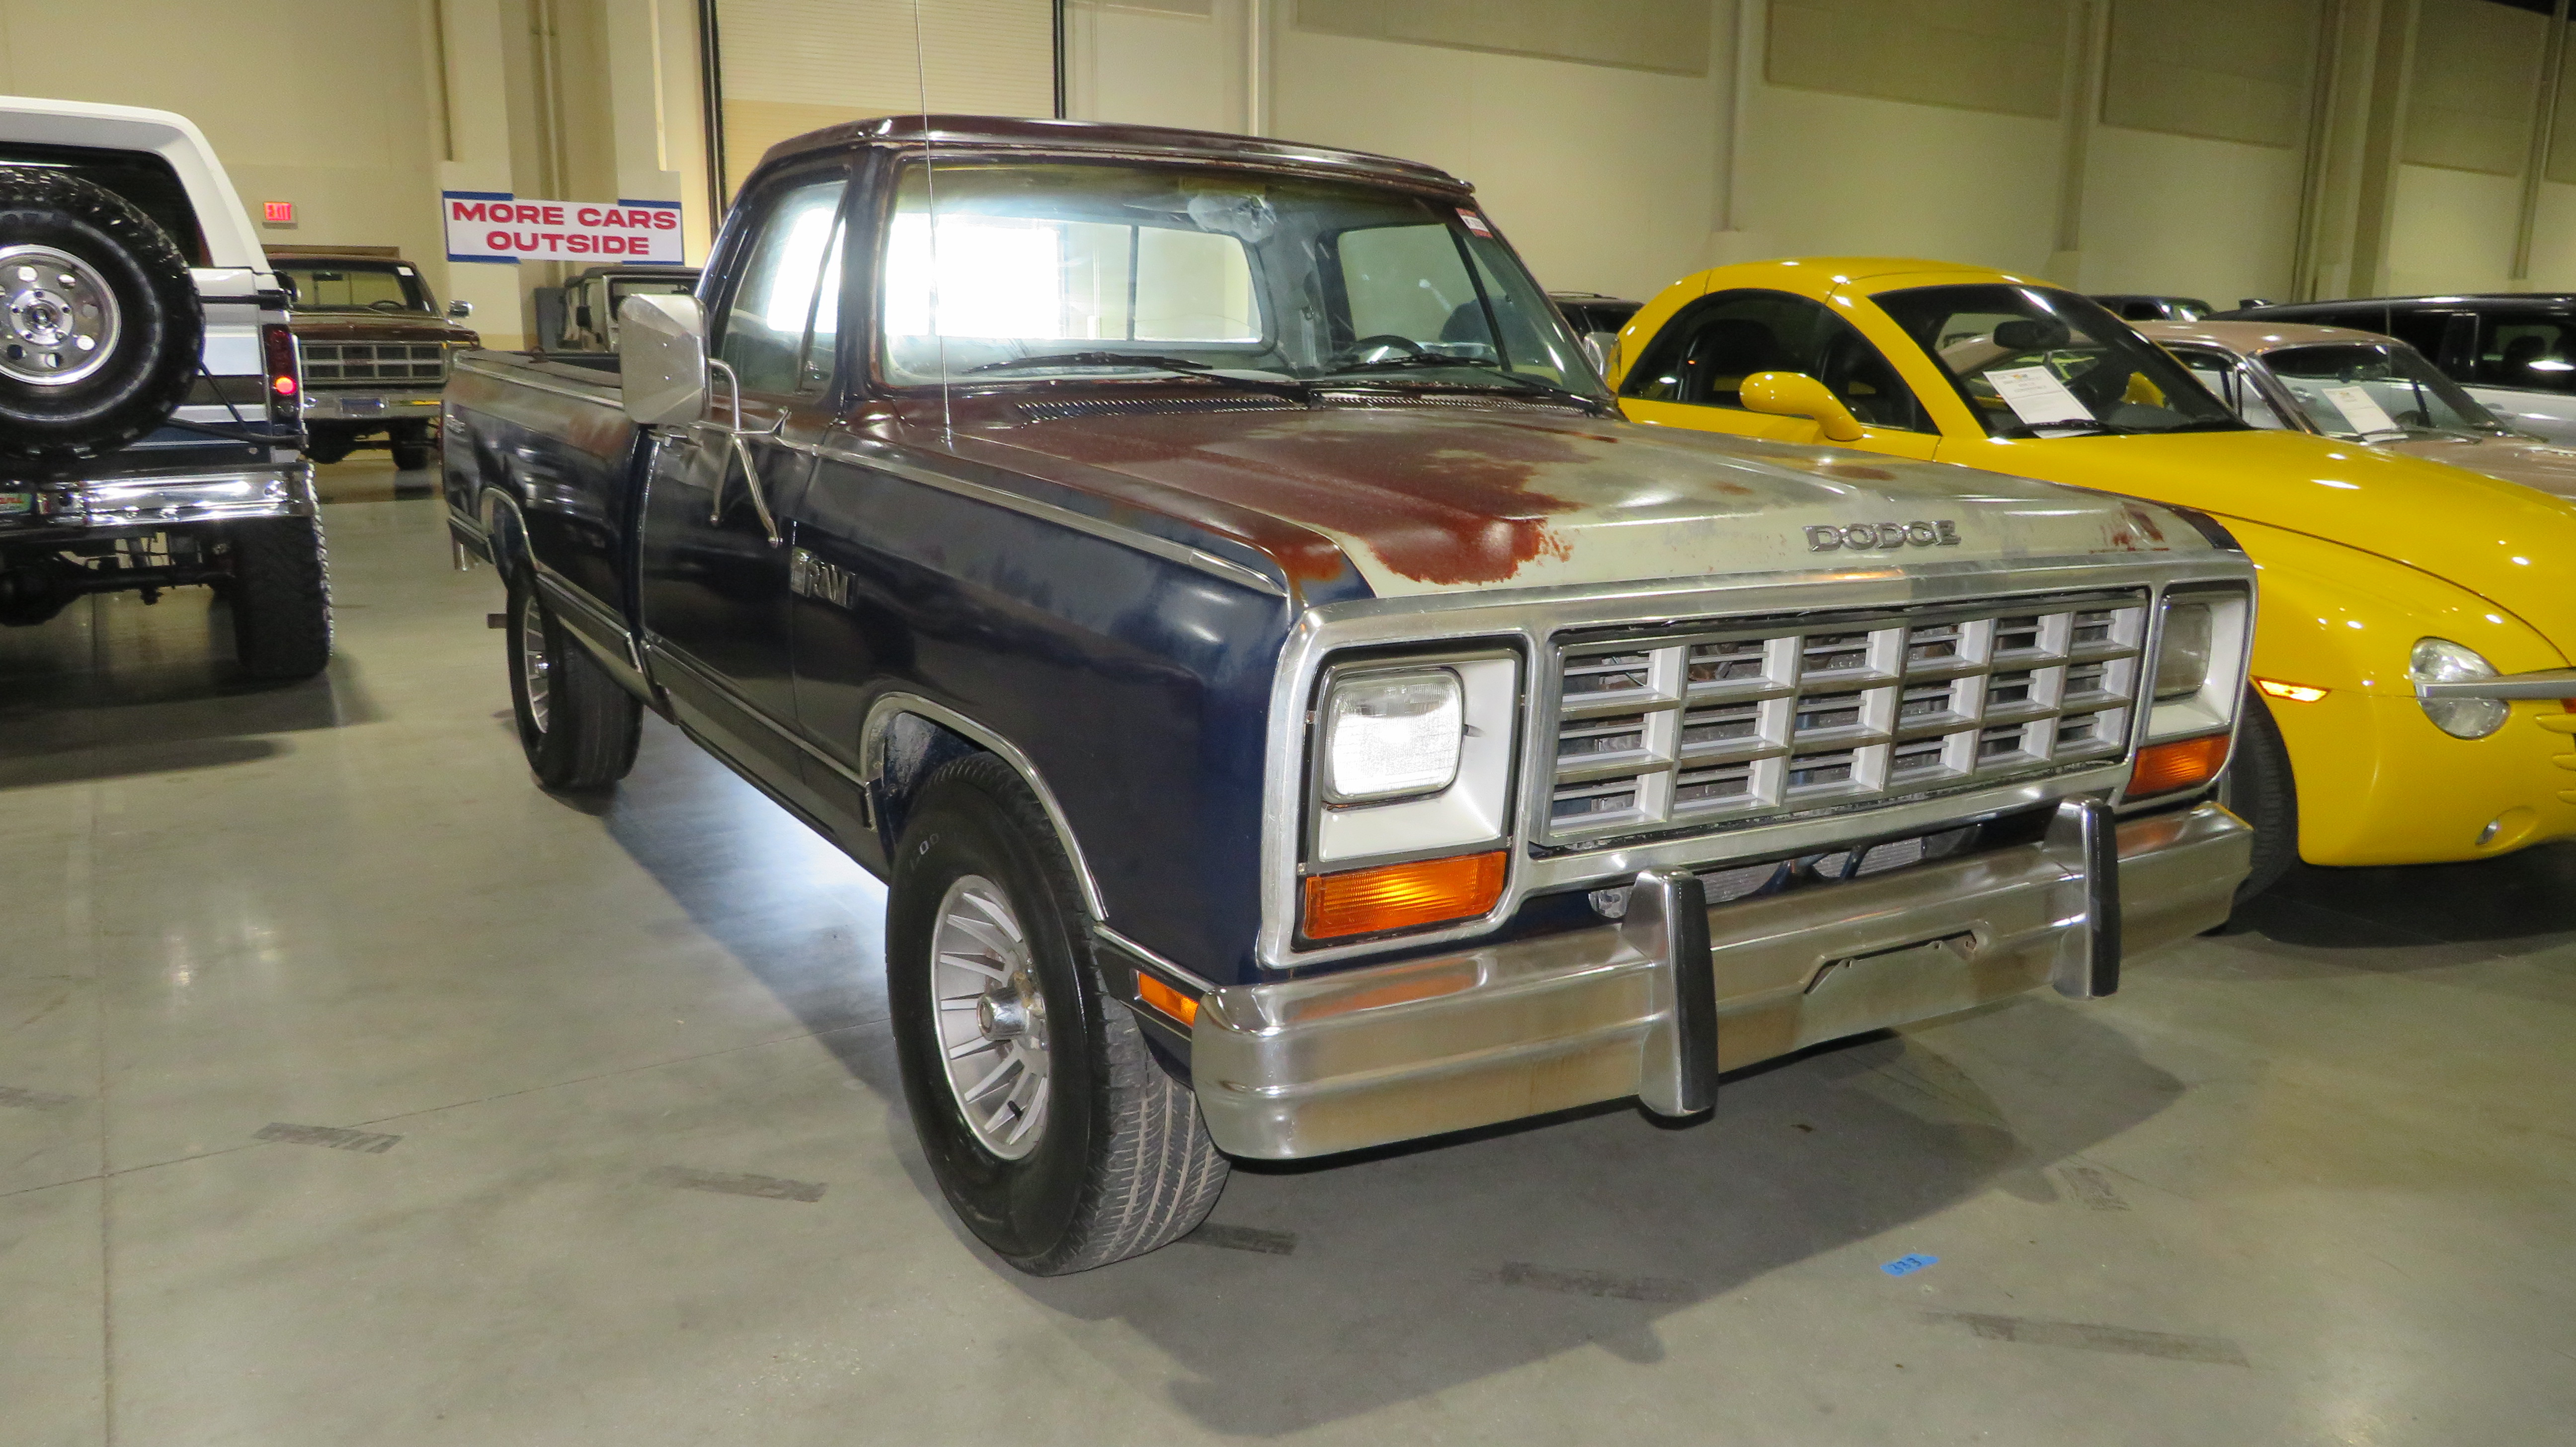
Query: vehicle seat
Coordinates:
[1725,352]
[2515,370]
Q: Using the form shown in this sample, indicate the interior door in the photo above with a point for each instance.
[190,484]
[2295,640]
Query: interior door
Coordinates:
[1692,373]
[719,511]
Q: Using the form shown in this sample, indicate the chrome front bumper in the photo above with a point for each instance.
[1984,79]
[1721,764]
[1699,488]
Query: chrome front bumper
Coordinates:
[357,404]
[1360,1058]
[149,500]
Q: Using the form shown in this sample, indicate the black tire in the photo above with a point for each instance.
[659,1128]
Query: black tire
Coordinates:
[413,456]
[1121,1164]
[2260,790]
[577,727]
[145,352]
[322,446]
[281,597]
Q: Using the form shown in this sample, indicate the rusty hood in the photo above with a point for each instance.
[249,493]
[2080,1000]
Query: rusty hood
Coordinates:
[1429,499]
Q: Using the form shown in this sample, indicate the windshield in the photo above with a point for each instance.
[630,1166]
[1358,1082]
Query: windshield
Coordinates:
[2375,392]
[2036,362]
[622,287]
[1062,269]
[340,286]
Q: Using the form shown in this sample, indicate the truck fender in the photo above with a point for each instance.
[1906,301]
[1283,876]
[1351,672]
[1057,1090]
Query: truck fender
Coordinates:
[505,531]
[907,737]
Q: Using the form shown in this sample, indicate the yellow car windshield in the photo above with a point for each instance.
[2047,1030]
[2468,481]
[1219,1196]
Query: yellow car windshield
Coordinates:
[2036,362]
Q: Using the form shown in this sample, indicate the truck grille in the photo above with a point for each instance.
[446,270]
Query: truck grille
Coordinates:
[1741,722]
[374,364]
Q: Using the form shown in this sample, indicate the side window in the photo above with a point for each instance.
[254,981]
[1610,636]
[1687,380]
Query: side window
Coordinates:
[772,311]
[1704,355]
[2232,382]
[2532,353]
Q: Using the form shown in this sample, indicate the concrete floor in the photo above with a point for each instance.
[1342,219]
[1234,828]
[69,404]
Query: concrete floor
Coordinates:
[613,1150]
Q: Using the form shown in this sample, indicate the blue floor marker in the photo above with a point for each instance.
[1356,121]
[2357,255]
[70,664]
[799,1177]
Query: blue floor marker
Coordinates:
[1908,1265]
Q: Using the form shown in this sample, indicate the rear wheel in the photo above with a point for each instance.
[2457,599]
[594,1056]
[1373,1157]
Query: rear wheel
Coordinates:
[280,592]
[1052,1131]
[2259,789]
[99,324]
[577,727]
[412,456]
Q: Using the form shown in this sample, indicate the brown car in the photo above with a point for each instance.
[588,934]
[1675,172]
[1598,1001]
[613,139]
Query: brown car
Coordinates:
[375,347]
[2359,387]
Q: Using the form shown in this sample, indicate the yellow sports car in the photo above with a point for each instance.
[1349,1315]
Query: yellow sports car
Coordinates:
[2416,620]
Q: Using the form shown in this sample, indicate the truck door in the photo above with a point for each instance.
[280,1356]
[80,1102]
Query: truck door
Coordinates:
[713,570]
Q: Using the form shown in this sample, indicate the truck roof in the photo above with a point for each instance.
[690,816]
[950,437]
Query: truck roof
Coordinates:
[230,241]
[1009,133]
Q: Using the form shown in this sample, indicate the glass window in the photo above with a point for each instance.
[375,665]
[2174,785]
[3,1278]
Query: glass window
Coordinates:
[1705,354]
[341,286]
[2232,382]
[2532,353]
[1037,269]
[2376,392]
[2036,362]
[766,323]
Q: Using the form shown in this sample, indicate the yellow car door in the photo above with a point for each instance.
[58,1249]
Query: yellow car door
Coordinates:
[1692,372]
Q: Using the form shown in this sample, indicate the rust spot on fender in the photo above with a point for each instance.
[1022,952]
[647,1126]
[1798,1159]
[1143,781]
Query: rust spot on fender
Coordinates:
[2137,532]
[1854,472]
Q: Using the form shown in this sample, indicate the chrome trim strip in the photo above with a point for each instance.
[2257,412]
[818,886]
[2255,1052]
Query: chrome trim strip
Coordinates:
[2539,683]
[1160,963]
[661,650]
[1530,617]
[513,376]
[1142,542]
[881,715]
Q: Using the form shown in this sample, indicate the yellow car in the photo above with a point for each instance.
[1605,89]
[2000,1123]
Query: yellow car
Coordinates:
[2417,620]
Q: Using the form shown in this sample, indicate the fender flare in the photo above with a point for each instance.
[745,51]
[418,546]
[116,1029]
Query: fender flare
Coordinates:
[889,707]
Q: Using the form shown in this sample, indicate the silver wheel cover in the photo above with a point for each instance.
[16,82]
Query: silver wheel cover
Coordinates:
[534,667]
[992,1023]
[58,319]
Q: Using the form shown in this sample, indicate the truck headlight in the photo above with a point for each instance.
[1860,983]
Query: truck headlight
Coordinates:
[2200,663]
[2439,660]
[1392,735]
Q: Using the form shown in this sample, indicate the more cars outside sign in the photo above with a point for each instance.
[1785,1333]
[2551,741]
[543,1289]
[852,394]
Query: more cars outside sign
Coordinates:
[497,226]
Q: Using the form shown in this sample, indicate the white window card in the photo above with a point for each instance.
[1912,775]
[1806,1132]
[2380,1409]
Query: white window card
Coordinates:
[2037,397]
[2361,409]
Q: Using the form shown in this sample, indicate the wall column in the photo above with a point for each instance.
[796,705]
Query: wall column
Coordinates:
[476,89]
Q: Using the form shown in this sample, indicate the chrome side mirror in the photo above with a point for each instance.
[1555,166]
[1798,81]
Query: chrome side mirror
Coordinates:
[1596,350]
[662,358]
[460,309]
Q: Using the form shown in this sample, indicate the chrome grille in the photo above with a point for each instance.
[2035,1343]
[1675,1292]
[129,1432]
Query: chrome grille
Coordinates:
[1741,722]
[374,364]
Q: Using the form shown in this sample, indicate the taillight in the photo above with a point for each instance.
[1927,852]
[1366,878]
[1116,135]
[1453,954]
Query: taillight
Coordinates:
[285,375]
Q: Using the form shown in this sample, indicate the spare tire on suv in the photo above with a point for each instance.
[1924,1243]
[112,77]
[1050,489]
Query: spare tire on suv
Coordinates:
[100,329]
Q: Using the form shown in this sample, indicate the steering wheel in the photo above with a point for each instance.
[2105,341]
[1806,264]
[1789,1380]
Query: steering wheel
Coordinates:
[1385,339]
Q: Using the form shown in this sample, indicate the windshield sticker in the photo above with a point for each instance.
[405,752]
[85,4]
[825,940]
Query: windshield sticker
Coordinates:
[2037,397]
[16,502]
[2360,409]
[1475,223]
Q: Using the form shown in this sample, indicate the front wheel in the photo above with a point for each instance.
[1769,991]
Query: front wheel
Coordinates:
[1052,1131]
[577,727]
[2259,789]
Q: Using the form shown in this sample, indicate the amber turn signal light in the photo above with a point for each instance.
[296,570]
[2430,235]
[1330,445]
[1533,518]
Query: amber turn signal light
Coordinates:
[1166,1000]
[2163,768]
[1402,896]
[2294,692]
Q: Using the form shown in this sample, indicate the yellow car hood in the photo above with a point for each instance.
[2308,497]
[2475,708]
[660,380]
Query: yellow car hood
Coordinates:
[2500,540]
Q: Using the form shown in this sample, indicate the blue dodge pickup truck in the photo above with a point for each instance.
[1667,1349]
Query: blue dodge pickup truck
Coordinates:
[1292,711]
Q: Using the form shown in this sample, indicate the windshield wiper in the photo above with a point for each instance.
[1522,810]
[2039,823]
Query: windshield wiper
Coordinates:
[1492,369]
[1178,366]
[2071,429]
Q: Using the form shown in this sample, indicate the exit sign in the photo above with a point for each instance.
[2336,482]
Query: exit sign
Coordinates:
[277,213]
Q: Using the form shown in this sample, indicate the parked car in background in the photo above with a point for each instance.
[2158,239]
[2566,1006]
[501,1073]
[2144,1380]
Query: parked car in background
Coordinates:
[581,315]
[2356,387]
[376,346]
[149,431]
[1595,320]
[2131,306]
[1294,712]
[2416,628]
[2515,353]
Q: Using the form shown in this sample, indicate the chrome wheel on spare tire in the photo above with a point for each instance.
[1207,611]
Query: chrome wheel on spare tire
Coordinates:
[992,1017]
[100,328]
